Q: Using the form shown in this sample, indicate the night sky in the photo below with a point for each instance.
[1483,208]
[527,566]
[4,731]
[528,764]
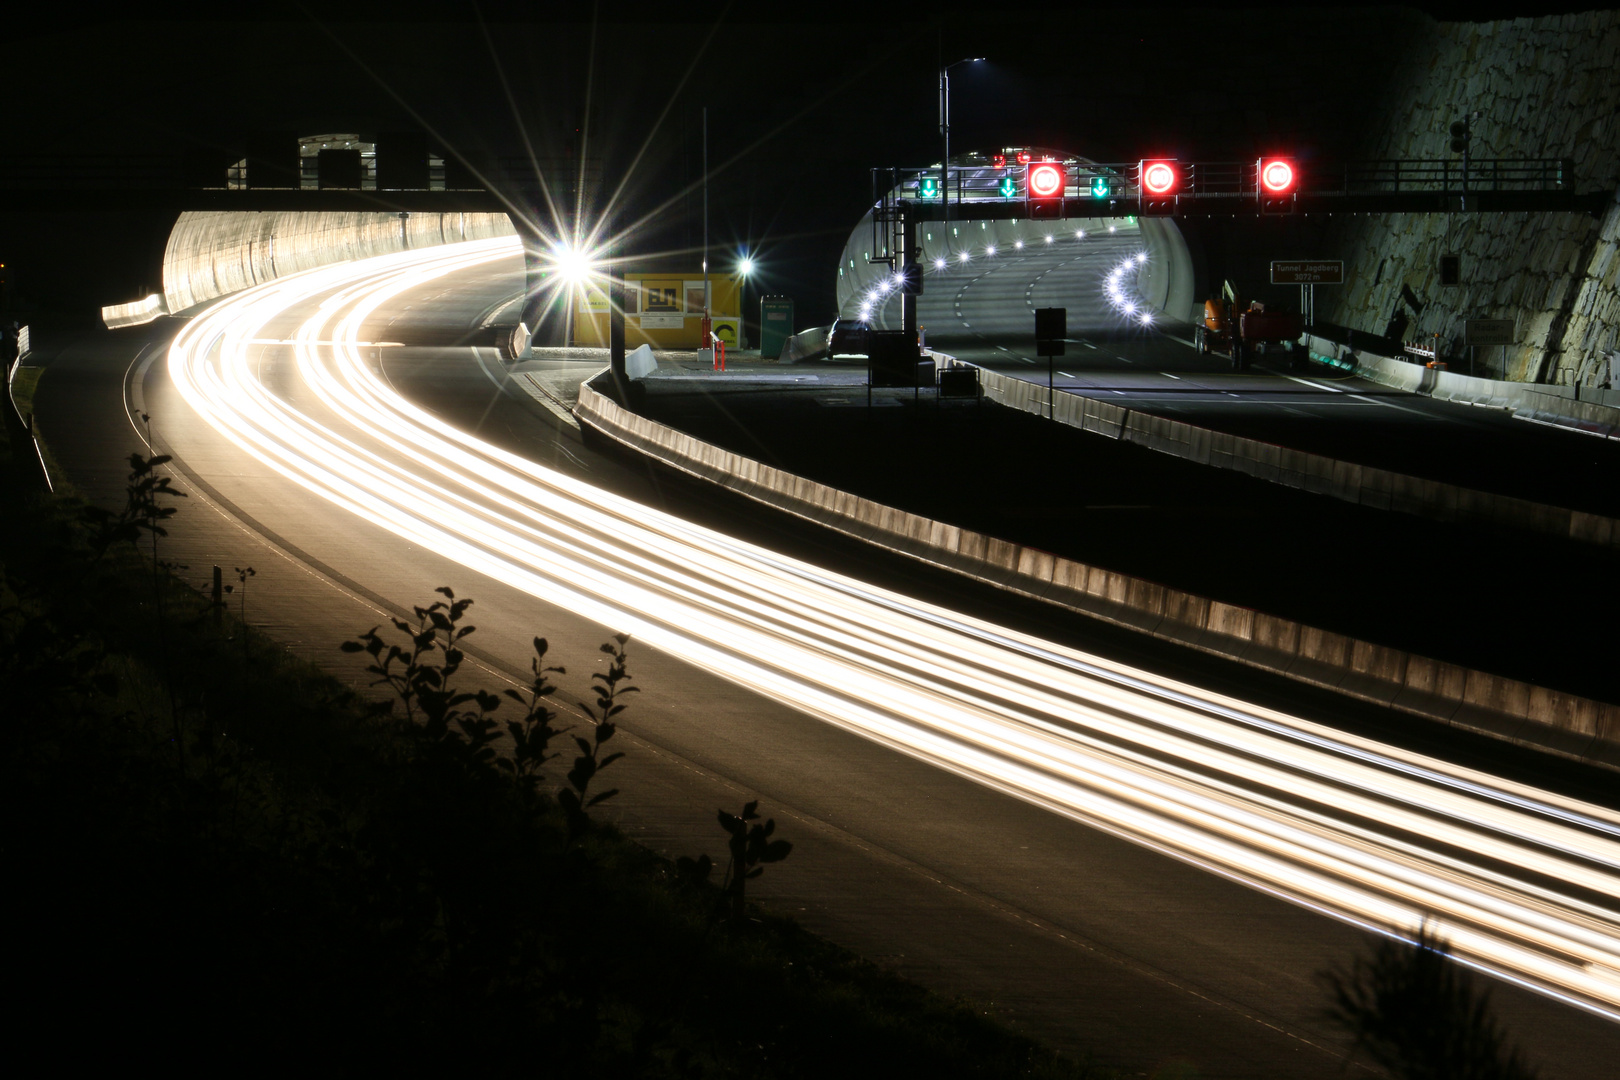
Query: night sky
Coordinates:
[800,109]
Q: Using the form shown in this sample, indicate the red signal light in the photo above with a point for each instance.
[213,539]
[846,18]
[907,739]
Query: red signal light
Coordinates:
[1276,175]
[1160,177]
[1046,180]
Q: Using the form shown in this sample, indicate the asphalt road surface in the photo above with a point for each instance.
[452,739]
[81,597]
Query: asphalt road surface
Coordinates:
[981,311]
[1097,854]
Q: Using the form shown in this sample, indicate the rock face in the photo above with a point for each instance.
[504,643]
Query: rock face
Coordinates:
[1546,87]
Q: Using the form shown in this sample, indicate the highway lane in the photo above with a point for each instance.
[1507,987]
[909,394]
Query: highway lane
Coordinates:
[981,310]
[1052,728]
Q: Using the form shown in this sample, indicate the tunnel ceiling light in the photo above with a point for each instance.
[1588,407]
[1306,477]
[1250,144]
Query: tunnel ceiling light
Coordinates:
[939,264]
[963,257]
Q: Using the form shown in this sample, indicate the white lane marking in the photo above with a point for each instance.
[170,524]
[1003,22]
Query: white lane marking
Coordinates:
[1309,382]
[1167,375]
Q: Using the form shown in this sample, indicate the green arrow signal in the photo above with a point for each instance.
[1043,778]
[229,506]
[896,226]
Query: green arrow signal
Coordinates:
[1099,187]
[1008,188]
[928,187]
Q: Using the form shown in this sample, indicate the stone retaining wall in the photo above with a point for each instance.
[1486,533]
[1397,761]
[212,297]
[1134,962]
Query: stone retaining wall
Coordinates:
[1545,88]
[1505,708]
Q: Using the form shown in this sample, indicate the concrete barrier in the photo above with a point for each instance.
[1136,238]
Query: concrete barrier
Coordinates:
[1519,712]
[1593,410]
[1347,481]
[26,457]
[805,345]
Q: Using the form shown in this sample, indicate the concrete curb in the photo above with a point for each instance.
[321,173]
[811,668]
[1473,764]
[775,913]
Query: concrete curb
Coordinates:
[1347,481]
[1474,700]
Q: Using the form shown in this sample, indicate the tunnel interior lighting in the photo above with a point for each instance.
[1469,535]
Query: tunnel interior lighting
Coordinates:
[1048,238]
[991,250]
[963,257]
[746,267]
[1019,245]
[1079,234]
[939,264]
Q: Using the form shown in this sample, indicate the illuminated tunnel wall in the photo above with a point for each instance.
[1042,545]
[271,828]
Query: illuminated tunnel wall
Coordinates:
[214,252]
[1166,282]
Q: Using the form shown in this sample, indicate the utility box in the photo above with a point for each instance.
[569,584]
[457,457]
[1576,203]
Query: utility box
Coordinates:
[775,324]
[896,361]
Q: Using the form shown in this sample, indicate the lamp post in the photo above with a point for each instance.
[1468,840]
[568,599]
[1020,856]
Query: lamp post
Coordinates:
[745,270]
[945,127]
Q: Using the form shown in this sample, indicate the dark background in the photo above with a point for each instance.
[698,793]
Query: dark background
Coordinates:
[800,107]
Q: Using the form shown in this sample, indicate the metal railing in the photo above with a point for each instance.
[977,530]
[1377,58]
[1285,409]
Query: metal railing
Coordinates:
[975,183]
[182,172]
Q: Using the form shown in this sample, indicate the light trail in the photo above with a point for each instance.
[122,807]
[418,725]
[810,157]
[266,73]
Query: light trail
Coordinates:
[1522,883]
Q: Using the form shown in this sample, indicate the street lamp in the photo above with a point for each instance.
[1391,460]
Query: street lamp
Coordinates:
[945,127]
[745,270]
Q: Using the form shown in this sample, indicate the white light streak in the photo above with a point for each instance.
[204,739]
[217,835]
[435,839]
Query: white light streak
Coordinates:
[1521,882]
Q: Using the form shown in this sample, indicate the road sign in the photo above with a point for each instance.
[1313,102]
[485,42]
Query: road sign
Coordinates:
[1307,272]
[1046,180]
[1008,187]
[1051,327]
[1488,332]
[928,187]
[1099,187]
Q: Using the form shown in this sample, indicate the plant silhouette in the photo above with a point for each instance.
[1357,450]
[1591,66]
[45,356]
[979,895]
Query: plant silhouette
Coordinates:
[1419,1014]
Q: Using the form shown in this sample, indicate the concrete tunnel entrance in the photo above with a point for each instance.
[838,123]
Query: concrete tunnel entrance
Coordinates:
[1164,283]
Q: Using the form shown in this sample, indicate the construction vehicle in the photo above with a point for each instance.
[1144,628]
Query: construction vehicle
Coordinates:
[1257,328]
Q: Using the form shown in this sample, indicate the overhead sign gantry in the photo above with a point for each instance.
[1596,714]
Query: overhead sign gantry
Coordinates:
[1013,184]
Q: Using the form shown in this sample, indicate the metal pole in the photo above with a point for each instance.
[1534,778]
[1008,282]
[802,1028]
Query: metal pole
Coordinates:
[702,344]
[945,130]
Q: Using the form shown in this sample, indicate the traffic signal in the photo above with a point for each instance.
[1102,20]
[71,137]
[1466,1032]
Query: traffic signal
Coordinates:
[1459,136]
[1276,180]
[1160,180]
[1008,187]
[928,187]
[1045,180]
[1099,187]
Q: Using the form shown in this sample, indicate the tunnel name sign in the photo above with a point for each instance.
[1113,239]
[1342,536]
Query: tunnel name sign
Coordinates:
[1488,332]
[1307,272]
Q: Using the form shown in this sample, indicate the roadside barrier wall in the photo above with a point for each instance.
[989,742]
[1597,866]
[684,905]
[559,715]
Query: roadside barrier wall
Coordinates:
[1593,410]
[1363,485]
[26,458]
[1506,708]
